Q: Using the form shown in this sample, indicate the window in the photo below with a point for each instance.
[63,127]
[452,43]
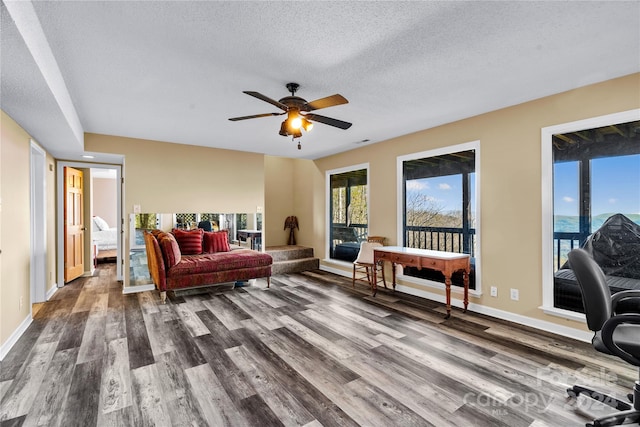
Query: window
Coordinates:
[438,202]
[213,218]
[185,220]
[138,224]
[591,199]
[348,212]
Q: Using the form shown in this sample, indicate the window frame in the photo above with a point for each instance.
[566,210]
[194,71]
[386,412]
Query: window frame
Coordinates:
[472,145]
[546,137]
[329,214]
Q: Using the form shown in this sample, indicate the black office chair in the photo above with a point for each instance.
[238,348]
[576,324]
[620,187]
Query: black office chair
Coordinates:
[617,334]
[205,225]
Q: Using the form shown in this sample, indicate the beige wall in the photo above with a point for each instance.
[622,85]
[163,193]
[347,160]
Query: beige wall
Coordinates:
[309,203]
[510,185]
[105,198]
[15,226]
[278,198]
[164,177]
[287,193]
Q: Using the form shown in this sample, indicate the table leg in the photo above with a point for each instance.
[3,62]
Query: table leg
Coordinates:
[466,290]
[374,284]
[447,284]
[393,271]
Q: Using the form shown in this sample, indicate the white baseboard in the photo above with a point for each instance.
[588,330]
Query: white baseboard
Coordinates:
[138,288]
[337,271]
[50,292]
[543,325]
[4,349]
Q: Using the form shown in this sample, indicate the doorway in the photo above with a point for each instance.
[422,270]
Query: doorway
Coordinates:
[104,214]
[88,245]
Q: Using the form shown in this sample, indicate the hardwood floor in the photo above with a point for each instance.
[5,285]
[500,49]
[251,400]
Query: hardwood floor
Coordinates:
[307,351]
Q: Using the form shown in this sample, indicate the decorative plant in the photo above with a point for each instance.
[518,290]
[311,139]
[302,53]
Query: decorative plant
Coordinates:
[291,222]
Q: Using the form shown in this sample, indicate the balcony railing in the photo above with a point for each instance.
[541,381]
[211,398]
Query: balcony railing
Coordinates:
[360,231]
[449,239]
[563,243]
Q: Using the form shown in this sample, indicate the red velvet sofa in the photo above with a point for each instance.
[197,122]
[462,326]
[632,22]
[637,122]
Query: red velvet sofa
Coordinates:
[203,265]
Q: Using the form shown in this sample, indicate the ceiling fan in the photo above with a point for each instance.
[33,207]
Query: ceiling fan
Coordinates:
[298,112]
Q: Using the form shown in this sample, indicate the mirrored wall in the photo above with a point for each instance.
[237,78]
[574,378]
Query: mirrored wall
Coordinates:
[235,223]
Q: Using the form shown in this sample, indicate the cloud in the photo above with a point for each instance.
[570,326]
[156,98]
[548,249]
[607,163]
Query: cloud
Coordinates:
[613,201]
[432,199]
[568,199]
[416,185]
[444,186]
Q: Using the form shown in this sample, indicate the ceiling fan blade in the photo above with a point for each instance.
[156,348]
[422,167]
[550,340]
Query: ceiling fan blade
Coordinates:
[328,121]
[255,116]
[266,99]
[329,101]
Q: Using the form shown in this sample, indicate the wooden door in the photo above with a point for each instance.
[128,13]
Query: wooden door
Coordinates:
[73,224]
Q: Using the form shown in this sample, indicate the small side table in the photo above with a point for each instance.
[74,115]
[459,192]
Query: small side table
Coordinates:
[251,236]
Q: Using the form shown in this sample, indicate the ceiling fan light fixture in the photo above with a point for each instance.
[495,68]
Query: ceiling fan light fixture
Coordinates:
[306,125]
[295,121]
[283,128]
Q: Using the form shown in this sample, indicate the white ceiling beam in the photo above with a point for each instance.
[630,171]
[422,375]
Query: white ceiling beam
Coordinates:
[28,25]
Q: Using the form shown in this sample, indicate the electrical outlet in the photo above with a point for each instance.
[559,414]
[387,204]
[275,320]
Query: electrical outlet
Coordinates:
[515,295]
[494,291]
[21,303]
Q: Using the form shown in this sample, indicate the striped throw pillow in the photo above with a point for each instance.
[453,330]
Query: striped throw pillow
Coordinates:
[190,241]
[216,241]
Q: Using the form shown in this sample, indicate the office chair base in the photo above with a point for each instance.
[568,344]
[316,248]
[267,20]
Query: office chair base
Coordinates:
[600,397]
[630,415]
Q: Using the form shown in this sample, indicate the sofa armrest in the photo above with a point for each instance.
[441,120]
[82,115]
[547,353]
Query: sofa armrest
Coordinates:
[155,261]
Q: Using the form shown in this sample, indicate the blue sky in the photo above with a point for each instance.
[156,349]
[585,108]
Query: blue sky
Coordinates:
[615,186]
[444,191]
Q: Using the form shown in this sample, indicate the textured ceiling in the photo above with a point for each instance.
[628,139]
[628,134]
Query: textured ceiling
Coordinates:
[175,71]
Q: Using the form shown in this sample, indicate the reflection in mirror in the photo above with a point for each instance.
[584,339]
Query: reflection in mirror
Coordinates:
[234,223]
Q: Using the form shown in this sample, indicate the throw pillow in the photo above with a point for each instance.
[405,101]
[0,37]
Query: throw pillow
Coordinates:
[156,233]
[190,241]
[100,223]
[170,250]
[216,241]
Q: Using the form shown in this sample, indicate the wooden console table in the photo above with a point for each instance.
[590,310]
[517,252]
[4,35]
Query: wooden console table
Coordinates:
[445,262]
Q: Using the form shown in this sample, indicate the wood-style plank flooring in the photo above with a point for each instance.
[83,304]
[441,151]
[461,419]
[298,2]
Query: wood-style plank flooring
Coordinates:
[308,351]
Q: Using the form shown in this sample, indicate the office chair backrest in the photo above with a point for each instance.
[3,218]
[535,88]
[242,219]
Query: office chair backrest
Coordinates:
[205,225]
[596,295]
